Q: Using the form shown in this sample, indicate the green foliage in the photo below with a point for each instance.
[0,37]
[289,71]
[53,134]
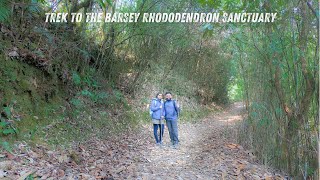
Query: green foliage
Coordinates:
[29,177]
[269,72]
[95,92]
[195,114]
[76,78]
[239,63]
[6,128]
[235,92]
[76,102]
[8,131]
[4,10]
[104,3]
[118,96]
[5,145]
[34,7]
[95,96]
[7,111]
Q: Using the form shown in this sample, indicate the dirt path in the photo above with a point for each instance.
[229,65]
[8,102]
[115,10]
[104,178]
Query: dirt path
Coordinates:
[208,150]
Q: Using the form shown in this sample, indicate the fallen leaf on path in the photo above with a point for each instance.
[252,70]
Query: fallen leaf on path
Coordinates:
[268,178]
[63,159]
[10,156]
[233,146]
[60,173]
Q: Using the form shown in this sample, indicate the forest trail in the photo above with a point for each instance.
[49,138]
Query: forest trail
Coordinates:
[208,150]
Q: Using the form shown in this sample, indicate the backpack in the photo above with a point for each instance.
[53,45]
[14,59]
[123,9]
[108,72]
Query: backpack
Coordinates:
[177,110]
[175,107]
[155,103]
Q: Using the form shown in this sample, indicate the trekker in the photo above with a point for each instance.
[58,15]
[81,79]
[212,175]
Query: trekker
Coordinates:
[157,115]
[171,108]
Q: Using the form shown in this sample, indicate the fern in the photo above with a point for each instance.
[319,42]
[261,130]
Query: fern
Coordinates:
[4,10]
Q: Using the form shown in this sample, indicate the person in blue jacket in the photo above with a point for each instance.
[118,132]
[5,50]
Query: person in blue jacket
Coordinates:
[171,109]
[157,115]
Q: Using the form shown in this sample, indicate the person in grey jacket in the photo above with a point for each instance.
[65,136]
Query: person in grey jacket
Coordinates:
[157,115]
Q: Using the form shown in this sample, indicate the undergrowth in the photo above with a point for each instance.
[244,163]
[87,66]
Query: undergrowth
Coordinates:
[38,109]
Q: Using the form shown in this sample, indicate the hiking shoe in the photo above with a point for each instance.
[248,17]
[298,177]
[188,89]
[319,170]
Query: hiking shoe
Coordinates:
[161,145]
[176,146]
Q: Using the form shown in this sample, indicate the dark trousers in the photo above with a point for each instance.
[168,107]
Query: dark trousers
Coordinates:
[173,131]
[157,136]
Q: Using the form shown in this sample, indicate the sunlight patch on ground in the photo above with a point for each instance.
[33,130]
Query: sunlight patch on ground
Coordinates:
[231,119]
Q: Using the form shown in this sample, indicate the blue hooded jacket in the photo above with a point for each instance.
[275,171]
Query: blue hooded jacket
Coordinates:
[171,110]
[157,112]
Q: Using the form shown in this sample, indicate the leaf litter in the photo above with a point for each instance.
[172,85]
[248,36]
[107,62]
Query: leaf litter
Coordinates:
[205,152]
